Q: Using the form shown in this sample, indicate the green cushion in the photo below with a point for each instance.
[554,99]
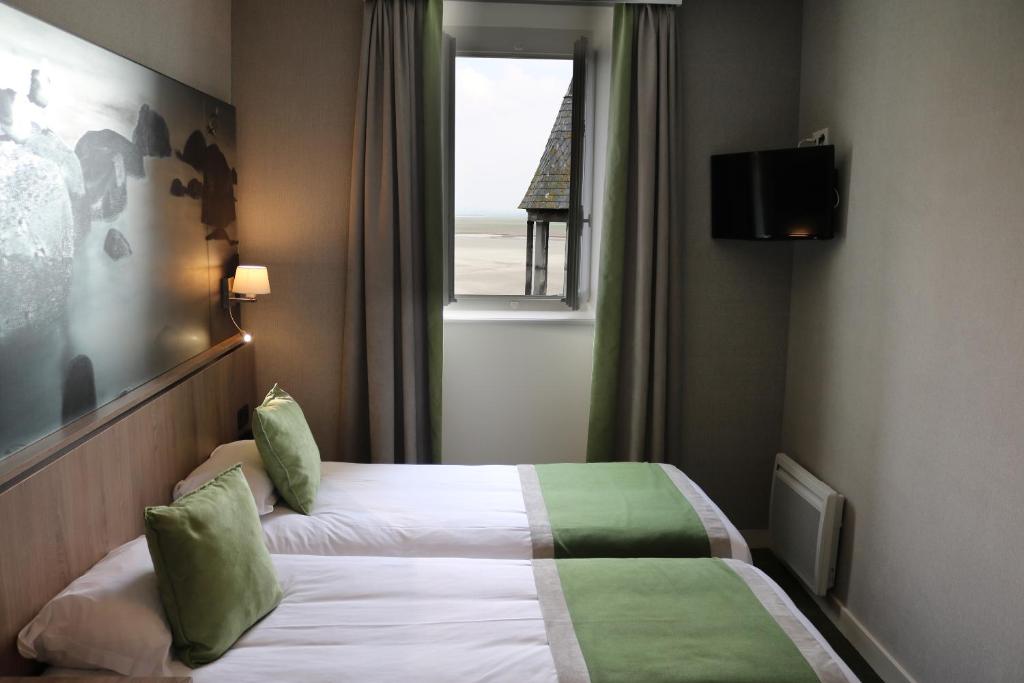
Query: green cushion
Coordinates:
[288,449]
[212,566]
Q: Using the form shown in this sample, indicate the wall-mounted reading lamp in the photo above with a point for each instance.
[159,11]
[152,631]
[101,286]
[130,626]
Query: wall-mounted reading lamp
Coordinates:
[248,283]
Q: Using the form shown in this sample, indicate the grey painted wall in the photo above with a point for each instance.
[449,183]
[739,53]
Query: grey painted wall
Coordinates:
[740,64]
[906,372]
[295,90]
[189,40]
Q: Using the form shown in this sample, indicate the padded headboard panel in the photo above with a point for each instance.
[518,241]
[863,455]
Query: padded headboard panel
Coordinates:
[59,520]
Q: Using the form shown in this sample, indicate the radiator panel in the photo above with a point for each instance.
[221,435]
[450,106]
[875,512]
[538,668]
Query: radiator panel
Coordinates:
[806,515]
[795,525]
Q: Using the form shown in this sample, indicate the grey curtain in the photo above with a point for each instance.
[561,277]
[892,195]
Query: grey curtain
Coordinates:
[636,382]
[390,395]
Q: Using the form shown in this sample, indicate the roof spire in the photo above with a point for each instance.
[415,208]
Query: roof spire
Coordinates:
[549,188]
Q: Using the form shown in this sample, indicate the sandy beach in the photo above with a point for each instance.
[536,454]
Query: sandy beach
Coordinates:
[490,256]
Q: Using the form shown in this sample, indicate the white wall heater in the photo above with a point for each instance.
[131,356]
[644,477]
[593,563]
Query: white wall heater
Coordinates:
[804,521]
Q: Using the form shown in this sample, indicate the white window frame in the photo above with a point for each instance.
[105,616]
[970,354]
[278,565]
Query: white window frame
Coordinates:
[526,43]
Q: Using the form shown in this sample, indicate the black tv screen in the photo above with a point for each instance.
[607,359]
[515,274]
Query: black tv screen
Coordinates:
[783,194]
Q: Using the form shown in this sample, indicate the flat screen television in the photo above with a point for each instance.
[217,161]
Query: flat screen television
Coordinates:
[782,194]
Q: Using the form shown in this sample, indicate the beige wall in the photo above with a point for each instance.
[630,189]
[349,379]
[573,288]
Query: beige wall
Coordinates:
[291,76]
[906,371]
[189,40]
[294,81]
[739,63]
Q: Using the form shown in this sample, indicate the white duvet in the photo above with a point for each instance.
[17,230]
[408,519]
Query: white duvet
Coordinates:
[364,619]
[422,511]
[368,619]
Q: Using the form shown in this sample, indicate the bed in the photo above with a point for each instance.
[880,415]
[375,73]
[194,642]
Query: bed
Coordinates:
[506,512]
[464,619]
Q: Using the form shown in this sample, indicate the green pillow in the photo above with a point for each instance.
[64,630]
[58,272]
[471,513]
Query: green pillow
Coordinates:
[212,566]
[288,450]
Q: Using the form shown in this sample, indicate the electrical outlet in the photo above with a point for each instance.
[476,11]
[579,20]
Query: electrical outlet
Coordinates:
[821,137]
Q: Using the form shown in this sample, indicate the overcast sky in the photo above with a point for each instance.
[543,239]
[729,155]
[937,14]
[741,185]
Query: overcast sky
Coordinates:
[504,110]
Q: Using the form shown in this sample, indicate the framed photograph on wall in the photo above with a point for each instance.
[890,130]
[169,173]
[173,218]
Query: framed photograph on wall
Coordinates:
[117,223]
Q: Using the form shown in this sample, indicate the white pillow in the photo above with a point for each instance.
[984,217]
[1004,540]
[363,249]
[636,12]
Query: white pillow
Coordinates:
[109,618]
[225,456]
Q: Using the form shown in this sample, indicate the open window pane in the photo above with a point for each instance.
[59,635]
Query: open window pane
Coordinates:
[513,129]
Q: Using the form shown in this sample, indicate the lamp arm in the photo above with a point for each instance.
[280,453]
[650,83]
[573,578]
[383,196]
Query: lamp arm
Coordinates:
[246,337]
[231,314]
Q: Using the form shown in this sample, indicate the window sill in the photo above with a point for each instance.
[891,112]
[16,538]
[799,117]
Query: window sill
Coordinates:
[544,317]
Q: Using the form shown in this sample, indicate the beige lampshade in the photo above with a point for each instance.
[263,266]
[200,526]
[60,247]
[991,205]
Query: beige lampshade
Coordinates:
[251,281]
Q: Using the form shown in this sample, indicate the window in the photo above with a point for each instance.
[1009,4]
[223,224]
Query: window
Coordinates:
[515,171]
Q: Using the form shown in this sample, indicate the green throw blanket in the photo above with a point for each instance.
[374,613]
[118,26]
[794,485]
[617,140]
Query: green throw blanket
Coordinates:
[619,509]
[671,620]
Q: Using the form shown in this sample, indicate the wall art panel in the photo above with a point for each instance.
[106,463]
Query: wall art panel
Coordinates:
[117,223]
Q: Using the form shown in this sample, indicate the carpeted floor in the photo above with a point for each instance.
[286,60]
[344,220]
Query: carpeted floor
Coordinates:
[766,562]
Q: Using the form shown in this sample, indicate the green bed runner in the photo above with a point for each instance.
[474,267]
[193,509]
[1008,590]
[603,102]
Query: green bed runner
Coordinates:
[619,509]
[684,621]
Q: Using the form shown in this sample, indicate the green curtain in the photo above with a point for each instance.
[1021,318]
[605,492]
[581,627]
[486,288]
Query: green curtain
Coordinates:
[433,36]
[636,384]
[604,389]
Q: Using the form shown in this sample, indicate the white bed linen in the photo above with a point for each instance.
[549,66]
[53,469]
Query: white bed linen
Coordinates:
[366,619]
[408,510]
[417,510]
[738,545]
[370,619]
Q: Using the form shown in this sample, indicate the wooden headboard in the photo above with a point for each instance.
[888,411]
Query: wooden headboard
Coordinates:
[80,492]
